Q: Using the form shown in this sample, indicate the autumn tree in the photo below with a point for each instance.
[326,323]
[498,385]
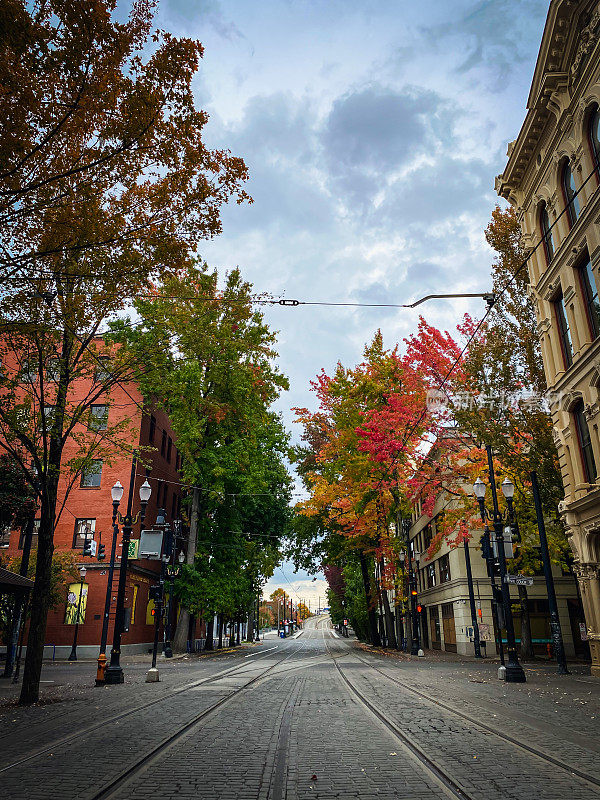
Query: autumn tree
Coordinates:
[368,423]
[105,185]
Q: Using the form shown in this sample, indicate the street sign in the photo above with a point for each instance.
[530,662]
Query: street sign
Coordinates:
[133,548]
[519,580]
[150,545]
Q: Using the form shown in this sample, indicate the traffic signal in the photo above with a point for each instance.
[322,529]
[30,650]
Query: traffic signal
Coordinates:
[419,609]
[101,552]
[155,592]
[413,592]
[87,547]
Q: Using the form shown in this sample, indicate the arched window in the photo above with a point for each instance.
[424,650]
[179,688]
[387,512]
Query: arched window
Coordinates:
[546,233]
[570,194]
[594,134]
[585,443]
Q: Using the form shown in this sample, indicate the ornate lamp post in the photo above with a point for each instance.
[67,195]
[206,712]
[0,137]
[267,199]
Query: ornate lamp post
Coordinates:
[514,671]
[73,653]
[114,673]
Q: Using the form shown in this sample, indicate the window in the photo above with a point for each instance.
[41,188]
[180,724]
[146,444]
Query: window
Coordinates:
[570,194]
[98,417]
[444,564]
[174,506]
[91,475]
[176,460]
[590,295]
[28,372]
[36,530]
[427,535]
[169,448]
[585,443]
[163,444]
[133,602]
[84,528]
[430,571]
[594,134]
[563,330]
[152,428]
[49,416]
[546,233]
[75,610]
[101,371]
[53,369]
[5,536]
[165,494]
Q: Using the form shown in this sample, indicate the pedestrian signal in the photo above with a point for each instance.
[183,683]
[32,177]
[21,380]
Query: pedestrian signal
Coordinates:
[152,612]
[419,609]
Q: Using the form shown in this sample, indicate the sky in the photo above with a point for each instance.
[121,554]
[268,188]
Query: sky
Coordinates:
[373,131]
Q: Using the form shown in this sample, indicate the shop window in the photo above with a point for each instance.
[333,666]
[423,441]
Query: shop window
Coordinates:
[75,611]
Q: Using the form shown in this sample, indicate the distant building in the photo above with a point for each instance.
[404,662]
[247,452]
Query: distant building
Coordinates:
[552,179]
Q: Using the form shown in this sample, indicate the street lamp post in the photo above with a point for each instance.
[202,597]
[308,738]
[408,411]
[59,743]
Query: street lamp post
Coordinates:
[73,653]
[476,640]
[514,671]
[114,673]
[116,494]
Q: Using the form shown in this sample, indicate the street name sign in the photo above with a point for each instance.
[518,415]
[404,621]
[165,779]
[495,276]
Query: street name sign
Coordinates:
[519,580]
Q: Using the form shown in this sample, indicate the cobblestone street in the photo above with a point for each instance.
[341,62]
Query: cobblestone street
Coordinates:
[315,716]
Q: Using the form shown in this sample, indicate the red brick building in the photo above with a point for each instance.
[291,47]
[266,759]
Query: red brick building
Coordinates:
[88,511]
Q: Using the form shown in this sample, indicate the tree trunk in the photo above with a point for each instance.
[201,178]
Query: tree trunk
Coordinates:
[220,629]
[232,634]
[30,688]
[180,639]
[388,616]
[250,628]
[526,643]
[210,634]
[373,632]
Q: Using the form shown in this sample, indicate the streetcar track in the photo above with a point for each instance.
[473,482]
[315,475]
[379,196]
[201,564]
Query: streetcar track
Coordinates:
[129,712]
[443,778]
[555,762]
[489,729]
[167,743]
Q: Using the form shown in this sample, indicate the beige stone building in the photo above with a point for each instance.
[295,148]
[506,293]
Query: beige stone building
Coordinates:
[443,594]
[552,178]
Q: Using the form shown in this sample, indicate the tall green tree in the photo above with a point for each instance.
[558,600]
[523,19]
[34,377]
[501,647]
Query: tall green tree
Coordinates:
[209,360]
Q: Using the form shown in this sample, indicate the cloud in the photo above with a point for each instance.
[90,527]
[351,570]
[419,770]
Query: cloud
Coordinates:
[480,38]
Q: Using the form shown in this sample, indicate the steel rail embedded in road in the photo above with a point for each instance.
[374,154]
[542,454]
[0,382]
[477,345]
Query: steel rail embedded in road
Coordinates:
[440,774]
[85,731]
[556,762]
[109,789]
